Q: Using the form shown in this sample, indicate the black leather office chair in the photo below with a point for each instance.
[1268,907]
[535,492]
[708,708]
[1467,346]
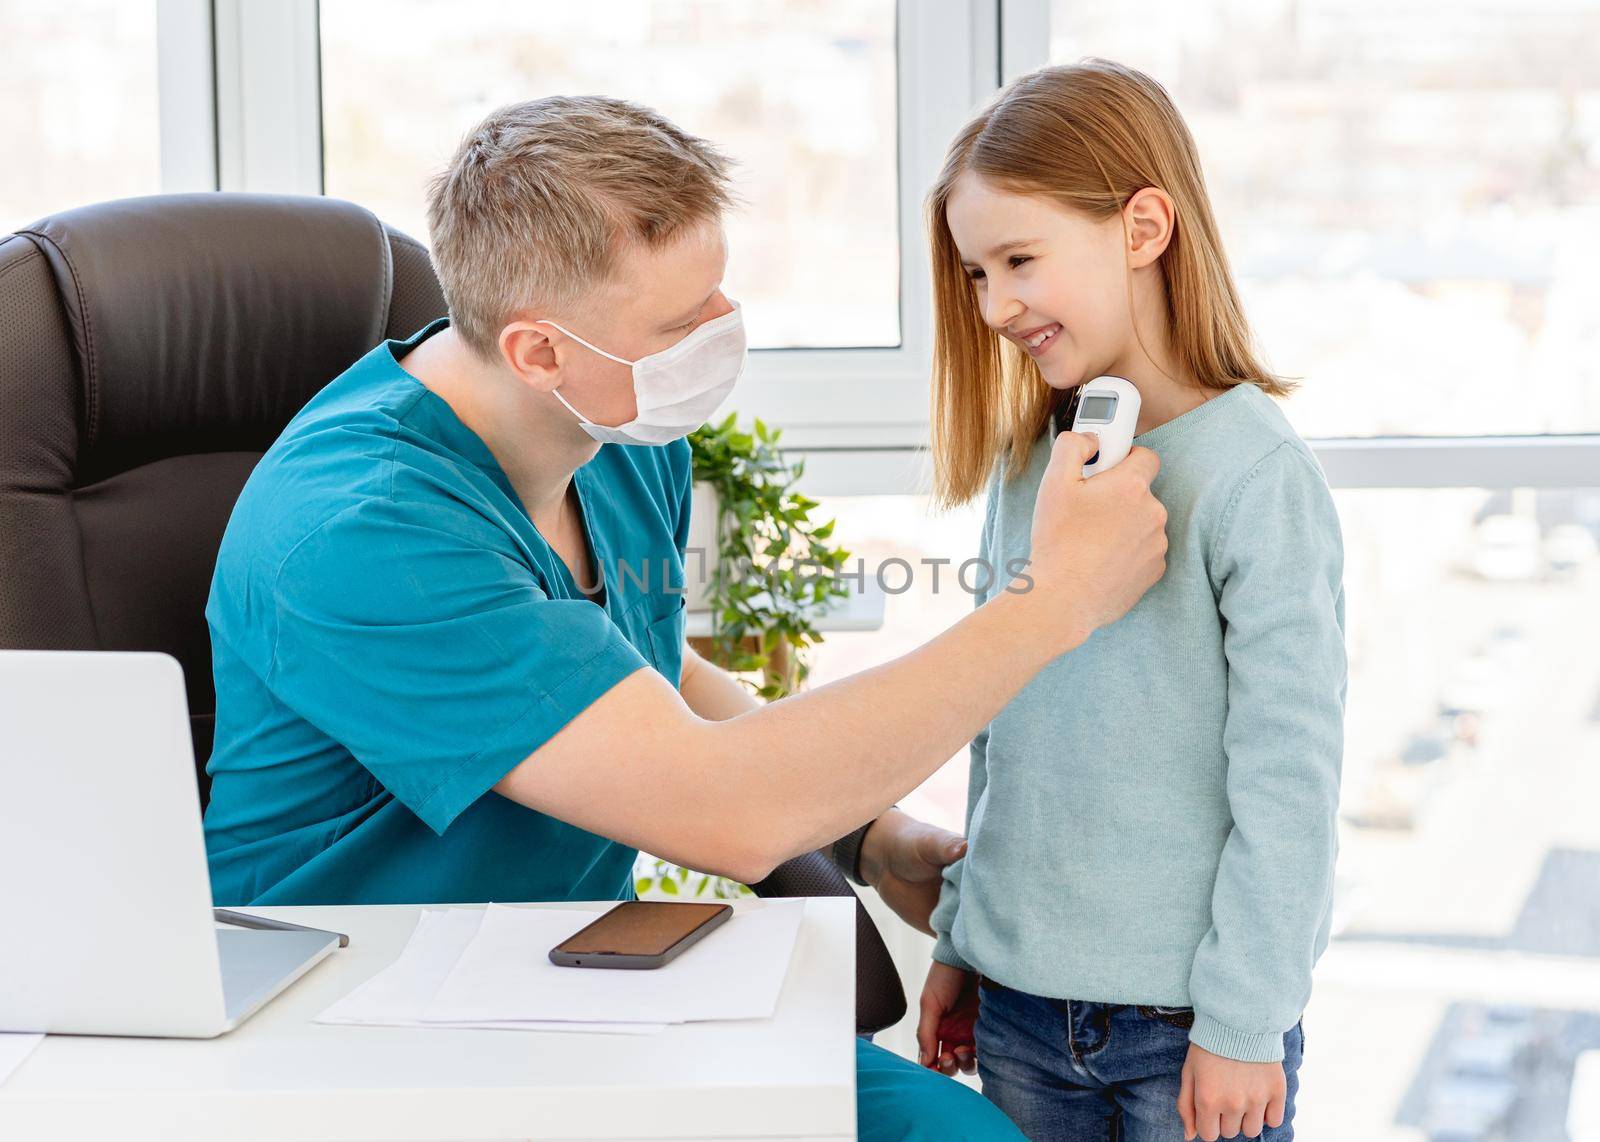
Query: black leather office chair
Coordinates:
[151,350]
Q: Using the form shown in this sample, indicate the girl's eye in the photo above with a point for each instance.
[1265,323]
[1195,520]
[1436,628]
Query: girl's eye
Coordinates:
[975,275]
[1016,261]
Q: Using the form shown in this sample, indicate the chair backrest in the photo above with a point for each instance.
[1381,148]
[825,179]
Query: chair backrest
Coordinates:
[151,349]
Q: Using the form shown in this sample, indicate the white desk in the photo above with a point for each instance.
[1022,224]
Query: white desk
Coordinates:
[280,1076]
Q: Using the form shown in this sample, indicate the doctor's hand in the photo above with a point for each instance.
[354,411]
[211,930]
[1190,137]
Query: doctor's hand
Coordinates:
[949,1012]
[1098,544]
[904,859]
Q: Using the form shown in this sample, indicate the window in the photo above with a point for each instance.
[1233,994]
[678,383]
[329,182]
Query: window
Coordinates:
[1407,204]
[801,94]
[78,112]
[1469,852]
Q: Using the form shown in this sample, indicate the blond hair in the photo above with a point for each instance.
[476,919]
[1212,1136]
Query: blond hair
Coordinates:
[1087,136]
[539,198]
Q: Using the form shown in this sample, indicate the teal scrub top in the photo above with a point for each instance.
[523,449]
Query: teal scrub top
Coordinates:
[391,636]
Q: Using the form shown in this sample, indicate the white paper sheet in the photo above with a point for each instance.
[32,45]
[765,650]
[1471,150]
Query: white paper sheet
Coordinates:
[396,996]
[14,1048]
[736,972]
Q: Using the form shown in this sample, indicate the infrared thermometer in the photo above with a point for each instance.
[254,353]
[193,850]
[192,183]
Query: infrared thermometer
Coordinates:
[1108,408]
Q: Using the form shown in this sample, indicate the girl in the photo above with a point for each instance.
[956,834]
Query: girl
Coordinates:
[1151,822]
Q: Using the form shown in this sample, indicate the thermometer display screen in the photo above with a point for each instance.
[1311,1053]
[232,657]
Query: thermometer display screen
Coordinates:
[1097,410]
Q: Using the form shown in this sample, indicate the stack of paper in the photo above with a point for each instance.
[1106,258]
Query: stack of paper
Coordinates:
[490,968]
[396,996]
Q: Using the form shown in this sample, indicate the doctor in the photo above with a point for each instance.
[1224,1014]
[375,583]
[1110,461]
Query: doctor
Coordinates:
[449,664]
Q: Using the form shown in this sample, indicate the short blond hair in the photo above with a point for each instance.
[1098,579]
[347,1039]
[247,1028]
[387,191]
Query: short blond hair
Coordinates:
[540,197]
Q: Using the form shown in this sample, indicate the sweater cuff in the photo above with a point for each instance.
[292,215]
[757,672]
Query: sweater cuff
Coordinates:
[1242,1046]
[945,952]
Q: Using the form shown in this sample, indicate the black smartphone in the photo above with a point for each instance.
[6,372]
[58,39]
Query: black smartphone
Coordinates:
[639,934]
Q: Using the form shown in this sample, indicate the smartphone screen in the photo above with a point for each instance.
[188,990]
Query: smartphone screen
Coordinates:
[639,934]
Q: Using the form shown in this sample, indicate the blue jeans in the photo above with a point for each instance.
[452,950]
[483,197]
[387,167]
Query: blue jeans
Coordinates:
[1095,1072]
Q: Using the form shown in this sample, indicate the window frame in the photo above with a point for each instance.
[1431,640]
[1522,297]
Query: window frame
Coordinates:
[240,105]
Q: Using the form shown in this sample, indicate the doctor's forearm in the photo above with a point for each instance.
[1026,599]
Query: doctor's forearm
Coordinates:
[801,772]
[714,694]
[741,796]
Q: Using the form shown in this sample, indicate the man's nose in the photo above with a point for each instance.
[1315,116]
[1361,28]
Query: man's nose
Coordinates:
[719,306]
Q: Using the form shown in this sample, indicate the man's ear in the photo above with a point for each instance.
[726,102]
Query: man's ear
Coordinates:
[1149,219]
[528,349]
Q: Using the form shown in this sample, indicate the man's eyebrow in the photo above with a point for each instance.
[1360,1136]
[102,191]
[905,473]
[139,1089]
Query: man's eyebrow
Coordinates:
[690,316]
[1004,246]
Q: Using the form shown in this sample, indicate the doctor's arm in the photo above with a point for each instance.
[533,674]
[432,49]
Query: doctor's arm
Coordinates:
[739,796]
[901,857]
[712,692]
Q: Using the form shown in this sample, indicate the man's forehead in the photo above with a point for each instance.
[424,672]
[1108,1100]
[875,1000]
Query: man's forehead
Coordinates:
[672,280]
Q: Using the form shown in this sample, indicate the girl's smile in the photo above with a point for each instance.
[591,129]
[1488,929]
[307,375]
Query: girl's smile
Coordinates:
[1038,340]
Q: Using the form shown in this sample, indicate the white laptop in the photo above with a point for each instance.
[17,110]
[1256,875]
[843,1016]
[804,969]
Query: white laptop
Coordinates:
[106,924]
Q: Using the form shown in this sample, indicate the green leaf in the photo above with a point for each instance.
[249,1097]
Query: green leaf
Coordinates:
[670,887]
[642,885]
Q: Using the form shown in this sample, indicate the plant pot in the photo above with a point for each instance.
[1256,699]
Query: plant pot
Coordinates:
[700,560]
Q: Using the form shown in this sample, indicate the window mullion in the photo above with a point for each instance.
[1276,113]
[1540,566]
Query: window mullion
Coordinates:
[1024,37]
[186,95]
[269,124]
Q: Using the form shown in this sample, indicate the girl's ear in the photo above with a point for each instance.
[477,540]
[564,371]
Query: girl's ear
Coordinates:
[1149,219]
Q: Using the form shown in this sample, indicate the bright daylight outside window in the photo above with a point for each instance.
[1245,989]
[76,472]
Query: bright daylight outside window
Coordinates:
[78,116]
[800,93]
[1411,204]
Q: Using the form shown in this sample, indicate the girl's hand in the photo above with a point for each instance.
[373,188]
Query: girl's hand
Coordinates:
[1221,1098]
[944,1028]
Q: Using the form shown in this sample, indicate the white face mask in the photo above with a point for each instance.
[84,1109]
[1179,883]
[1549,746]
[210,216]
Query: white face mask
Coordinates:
[677,389]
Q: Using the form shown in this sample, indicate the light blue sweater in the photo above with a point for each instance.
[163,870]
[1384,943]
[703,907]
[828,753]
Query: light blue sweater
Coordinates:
[1152,820]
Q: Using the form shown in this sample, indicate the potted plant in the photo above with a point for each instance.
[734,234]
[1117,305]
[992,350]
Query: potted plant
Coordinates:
[764,570]
[769,568]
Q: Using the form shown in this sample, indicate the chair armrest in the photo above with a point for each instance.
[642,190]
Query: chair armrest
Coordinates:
[880,999]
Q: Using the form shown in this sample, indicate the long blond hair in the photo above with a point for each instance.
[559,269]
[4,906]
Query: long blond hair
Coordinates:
[1088,136]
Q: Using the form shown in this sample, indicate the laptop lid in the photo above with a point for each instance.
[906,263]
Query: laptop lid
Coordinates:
[104,895]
